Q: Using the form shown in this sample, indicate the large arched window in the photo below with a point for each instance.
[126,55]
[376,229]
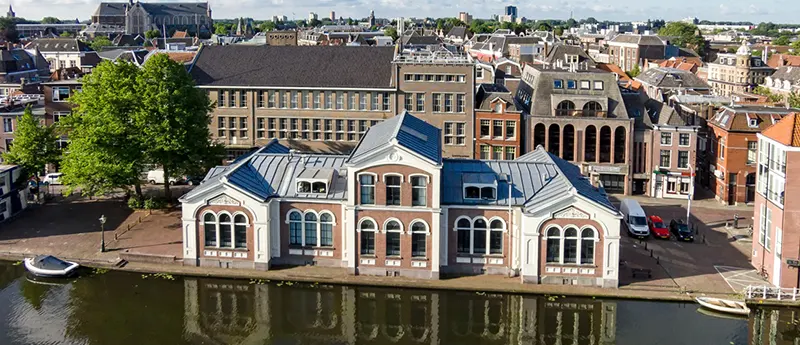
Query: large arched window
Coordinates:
[587,246]
[295,228]
[367,230]
[590,144]
[225,231]
[619,145]
[479,236]
[240,231]
[210,229]
[393,230]
[592,108]
[553,245]
[419,237]
[605,144]
[539,135]
[463,228]
[554,141]
[571,246]
[310,225]
[569,143]
[326,230]
[496,228]
[565,108]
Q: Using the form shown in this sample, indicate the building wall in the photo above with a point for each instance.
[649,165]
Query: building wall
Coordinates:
[59,60]
[735,161]
[282,38]
[662,182]
[571,274]
[498,140]
[478,263]
[316,255]
[462,147]
[218,256]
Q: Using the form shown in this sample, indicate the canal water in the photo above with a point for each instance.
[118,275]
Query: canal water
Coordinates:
[124,308]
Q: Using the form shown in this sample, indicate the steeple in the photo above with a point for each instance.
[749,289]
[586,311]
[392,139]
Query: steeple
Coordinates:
[10,13]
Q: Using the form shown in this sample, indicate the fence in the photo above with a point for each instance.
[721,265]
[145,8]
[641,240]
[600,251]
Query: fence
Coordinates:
[771,293]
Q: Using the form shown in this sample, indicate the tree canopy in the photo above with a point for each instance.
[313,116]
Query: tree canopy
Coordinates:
[99,42]
[151,34]
[391,32]
[684,35]
[8,30]
[34,145]
[51,20]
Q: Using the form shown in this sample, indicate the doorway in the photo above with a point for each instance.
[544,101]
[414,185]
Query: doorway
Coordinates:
[732,189]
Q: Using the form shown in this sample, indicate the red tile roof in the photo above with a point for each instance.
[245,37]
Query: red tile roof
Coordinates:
[786,131]
[778,60]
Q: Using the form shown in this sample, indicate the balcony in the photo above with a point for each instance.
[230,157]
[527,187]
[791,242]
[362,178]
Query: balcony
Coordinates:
[581,113]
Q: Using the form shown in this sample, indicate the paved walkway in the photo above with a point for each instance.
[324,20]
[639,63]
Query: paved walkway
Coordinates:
[739,278]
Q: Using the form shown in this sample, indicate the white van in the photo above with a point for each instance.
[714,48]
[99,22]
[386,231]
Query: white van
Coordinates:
[157,177]
[634,218]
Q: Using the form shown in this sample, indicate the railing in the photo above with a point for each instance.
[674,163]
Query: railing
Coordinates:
[771,293]
[581,113]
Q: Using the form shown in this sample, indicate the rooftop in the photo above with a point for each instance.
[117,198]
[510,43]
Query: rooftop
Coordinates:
[749,118]
[786,131]
[665,77]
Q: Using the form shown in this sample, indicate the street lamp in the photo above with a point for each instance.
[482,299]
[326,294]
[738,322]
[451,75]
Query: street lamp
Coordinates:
[689,195]
[102,233]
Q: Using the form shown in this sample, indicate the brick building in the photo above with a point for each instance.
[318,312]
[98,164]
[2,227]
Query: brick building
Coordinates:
[629,50]
[395,207]
[733,145]
[498,120]
[776,237]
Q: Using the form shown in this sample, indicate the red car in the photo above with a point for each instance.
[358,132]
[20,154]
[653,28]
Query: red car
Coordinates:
[657,227]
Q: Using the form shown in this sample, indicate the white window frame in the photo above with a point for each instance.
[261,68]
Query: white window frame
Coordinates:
[233,228]
[374,188]
[580,239]
[318,224]
[425,188]
[402,179]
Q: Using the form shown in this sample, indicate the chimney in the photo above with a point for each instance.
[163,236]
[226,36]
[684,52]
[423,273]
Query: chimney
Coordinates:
[546,48]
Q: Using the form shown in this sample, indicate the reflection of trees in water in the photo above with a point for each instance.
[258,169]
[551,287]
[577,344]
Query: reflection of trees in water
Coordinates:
[34,293]
[9,273]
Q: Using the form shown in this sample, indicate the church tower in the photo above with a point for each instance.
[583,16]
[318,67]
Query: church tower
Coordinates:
[10,13]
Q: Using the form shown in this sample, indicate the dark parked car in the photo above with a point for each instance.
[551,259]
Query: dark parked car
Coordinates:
[681,231]
[191,180]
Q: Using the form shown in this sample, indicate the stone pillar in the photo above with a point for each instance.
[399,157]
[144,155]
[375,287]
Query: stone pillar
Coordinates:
[597,145]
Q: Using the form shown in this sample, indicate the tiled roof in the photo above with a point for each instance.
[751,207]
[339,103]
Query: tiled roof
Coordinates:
[58,45]
[459,31]
[790,73]
[778,60]
[409,132]
[786,131]
[294,66]
[748,118]
[664,77]
[487,93]
[662,114]
[560,51]
[649,40]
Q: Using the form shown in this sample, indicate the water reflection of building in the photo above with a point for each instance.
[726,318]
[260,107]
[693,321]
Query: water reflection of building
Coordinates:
[770,326]
[230,312]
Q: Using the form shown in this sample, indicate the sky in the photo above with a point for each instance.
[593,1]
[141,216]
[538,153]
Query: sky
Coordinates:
[778,11]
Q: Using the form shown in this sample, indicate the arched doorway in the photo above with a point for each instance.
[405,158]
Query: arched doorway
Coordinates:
[554,141]
[565,108]
[605,144]
[590,144]
[592,108]
[619,145]
[750,188]
[538,135]
[569,143]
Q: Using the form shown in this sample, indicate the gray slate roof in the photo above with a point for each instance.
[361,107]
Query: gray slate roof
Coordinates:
[489,92]
[790,73]
[647,40]
[175,8]
[662,114]
[409,131]
[664,77]
[294,66]
[58,45]
[560,51]
[543,89]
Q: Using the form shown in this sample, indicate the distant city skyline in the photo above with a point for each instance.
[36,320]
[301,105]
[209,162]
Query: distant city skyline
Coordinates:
[777,11]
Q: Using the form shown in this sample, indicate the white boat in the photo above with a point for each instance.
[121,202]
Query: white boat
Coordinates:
[49,266]
[724,305]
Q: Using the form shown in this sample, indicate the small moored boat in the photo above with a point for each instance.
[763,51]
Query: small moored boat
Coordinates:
[724,305]
[49,266]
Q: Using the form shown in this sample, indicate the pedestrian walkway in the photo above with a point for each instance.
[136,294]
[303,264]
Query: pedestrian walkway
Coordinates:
[739,278]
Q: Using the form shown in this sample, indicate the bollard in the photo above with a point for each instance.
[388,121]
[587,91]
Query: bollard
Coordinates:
[645,246]
[651,253]
[658,260]
[696,229]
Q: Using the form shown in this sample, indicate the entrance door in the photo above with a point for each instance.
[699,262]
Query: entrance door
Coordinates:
[657,192]
[776,260]
[731,189]
[750,188]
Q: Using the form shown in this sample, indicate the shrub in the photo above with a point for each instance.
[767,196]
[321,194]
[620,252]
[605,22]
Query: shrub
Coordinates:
[154,204]
[135,203]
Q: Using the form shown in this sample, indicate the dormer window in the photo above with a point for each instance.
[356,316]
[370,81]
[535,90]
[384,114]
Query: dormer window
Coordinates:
[308,187]
[480,186]
[752,121]
[571,58]
[314,181]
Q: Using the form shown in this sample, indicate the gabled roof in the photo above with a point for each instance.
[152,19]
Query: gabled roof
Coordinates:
[294,66]
[790,73]
[488,93]
[459,31]
[738,118]
[786,131]
[58,45]
[778,60]
[647,40]
[662,114]
[664,77]
[560,52]
[405,130]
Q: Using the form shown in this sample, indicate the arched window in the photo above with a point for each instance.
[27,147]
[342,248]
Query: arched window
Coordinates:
[240,231]
[319,187]
[539,135]
[310,229]
[393,230]
[590,144]
[225,231]
[605,144]
[463,227]
[367,230]
[419,234]
[592,108]
[326,230]
[587,246]
[295,228]
[554,141]
[565,108]
[553,245]
[210,229]
[619,145]
[571,246]
[496,228]
[479,236]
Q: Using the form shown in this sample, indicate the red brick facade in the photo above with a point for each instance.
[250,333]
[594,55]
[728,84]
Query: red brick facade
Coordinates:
[218,210]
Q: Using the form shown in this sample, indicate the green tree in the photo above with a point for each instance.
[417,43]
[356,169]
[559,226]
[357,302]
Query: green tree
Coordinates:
[794,100]
[173,118]
[391,32]
[774,98]
[99,42]
[685,36]
[635,71]
[558,31]
[8,30]
[65,34]
[105,151]
[267,26]
[151,34]
[51,20]
[34,145]
[220,29]
[314,23]
[783,40]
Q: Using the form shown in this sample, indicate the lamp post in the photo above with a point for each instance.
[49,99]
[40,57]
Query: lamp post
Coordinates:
[691,192]
[102,233]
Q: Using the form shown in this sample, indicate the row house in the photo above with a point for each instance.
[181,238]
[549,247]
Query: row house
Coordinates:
[498,120]
[737,73]
[776,239]
[785,81]
[578,114]
[65,53]
[10,115]
[660,83]
[323,99]
[502,71]
[732,149]
[57,105]
[396,207]
[629,50]
[350,315]
[12,199]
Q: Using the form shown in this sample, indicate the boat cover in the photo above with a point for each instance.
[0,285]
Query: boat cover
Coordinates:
[49,262]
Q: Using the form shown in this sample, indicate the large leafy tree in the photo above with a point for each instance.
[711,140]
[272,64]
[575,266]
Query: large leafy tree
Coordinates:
[51,20]
[684,35]
[173,118]
[8,30]
[794,100]
[105,151]
[99,42]
[34,145]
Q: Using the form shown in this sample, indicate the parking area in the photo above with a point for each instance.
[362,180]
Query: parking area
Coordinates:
[716,262]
